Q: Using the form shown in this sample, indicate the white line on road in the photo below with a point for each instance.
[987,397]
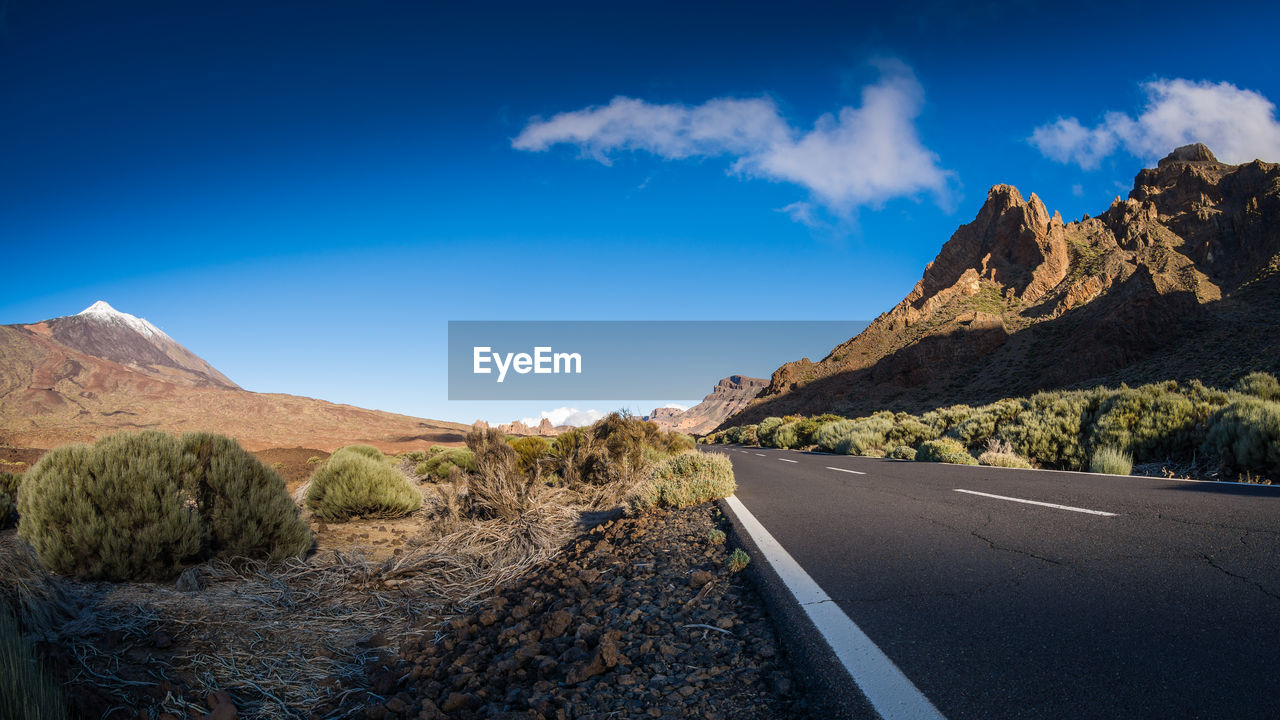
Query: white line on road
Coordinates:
[762,455]
[786,460]
[852,472]
[891,693]
[1037,502]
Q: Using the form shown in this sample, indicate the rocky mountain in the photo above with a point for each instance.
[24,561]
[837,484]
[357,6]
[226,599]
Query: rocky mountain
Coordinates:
[1180,280]
[728,397]
[80,377]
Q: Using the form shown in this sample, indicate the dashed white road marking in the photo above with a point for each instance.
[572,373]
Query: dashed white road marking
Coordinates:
[1037,502]
[891,693]
[762,455]
[852,472]
[786,460]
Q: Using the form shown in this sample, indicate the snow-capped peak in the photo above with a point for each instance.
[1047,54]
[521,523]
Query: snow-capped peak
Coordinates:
[101,310]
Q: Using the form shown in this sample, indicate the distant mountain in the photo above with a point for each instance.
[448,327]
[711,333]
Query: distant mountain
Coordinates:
[82,376]
[729,396]
[1179,281]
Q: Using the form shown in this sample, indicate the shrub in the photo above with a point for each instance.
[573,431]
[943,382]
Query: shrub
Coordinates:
[1152,422]
[786,437]
[1111,461]
[531,451]
[983,423]
[902,452]
[857,437]
[805,429]
[1260,385]
[1245,434]
[944,450]
[686,479]
[829,435]
[26,689]
[439,465]
[415,456]
[314,460]
[368,451]
[1001,454]
[908,430]
[716,537]
[8,498]
[1051,428]
[246,508]
[116,510]
[737,561]
[766,429]
[353,485]
[943,419]
[748,436]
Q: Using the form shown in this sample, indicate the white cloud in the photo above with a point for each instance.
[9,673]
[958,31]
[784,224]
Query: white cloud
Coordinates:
[677,406]
[857,156]
[565,416]
[1238,126]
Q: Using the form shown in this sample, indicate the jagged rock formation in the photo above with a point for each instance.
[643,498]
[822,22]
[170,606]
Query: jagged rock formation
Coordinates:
[542,429]
[1180,280]
[728,397]
[80,377]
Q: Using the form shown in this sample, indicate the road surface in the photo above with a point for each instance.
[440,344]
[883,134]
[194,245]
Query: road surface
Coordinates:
[1030,594]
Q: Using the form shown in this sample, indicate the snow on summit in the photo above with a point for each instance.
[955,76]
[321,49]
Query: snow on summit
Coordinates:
[103,311]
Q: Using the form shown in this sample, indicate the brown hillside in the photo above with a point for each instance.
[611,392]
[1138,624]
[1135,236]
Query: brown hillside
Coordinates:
[728,397]
[1178,281]
[52,393]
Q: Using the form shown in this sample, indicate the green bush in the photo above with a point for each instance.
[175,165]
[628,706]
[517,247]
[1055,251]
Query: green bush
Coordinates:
[829,435]
[1151,422]
[983,423]
[1246,435]
[119,509]
[1260,385]
[353,485]
[686,479]
[438,465]
[245,506]
[944,450]
[1001,454]
[943,419]
[140,506]
[715,537]
[414,456]
[737,561]
[902,452]
[26,689]
[531,451]
[908,430]
[766,429]
[786,437]
[368,451]
[1051,429]
[748,435]
[1111,461]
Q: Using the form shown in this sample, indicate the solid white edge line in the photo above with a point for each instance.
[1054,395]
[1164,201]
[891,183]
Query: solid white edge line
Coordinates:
[790,461]
[852,472]
[891,693]
[1037,502]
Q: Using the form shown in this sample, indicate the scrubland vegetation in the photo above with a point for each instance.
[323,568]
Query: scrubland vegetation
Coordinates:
[277,618]
[1233,432]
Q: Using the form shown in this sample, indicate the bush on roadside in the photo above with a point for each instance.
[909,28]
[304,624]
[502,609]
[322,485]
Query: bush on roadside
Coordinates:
[1001,454]
[1052,428]
[944,450]
[1152,422]
[983,423]
[902,452]
[908,430]
[116,510]
[766,429]
[354,485]
[748,435]
[531,451]
[715,537]
[1260,385]
[1245,434]
[829,435]
[943,419]
[786,437]
[246,509]
[1111,461]
[737,561]
[686,479]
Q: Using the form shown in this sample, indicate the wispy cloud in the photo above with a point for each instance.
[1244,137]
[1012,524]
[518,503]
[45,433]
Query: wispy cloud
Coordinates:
[854,157]
[1238,125]
[565,416]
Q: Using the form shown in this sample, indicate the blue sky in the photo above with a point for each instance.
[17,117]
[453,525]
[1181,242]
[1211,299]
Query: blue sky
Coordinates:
[304,195]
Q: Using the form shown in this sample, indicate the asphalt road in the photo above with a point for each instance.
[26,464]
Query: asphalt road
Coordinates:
[1169,608]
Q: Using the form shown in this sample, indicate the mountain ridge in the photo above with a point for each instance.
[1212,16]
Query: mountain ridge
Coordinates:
[1018,301]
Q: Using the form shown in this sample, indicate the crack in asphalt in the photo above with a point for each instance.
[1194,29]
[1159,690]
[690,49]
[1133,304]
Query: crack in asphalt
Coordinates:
[1209,559]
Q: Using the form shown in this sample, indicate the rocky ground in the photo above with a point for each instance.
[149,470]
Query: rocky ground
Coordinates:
[638,618]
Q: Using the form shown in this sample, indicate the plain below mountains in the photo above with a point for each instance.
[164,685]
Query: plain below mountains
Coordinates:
[83,376]
[1179,281]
